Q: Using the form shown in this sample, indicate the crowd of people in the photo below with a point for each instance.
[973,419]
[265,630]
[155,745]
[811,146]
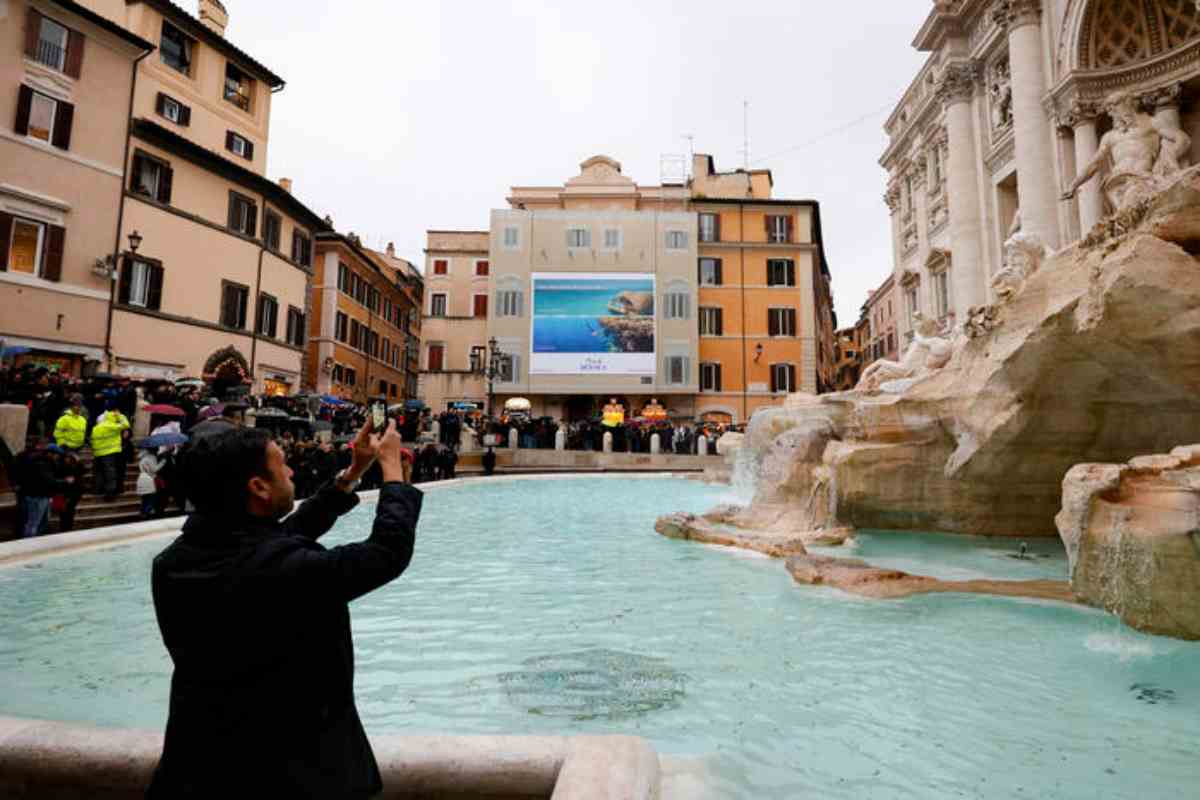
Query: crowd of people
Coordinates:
[628,437]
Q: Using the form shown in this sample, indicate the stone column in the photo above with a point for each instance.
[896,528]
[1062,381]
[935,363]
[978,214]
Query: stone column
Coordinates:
[968,274]
[608,442]
[1033,138]
[1087,142]
[514,439]
[560,440]
[655,444]
[1163,104]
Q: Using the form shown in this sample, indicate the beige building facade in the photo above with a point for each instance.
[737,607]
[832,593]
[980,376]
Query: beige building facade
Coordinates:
[882,329]
[457,297]
[1007,111]
[64,113]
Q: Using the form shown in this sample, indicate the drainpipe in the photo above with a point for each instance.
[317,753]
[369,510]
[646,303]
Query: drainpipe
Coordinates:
[262,248]
[367,345]
[742,267]
[116,254]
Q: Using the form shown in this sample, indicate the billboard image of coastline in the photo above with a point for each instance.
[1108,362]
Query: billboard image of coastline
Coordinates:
[593,323]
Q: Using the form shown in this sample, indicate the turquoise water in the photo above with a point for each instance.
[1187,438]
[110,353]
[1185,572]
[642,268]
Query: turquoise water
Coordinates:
[574,335]
[583,298]
[552,607]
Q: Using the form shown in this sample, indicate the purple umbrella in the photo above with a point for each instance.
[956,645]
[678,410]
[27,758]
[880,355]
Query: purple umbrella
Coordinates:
[212,411]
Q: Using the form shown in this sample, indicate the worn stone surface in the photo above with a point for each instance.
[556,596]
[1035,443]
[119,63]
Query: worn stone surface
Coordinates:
[1096,359]
[697,529]
[1132,533]
[860,578]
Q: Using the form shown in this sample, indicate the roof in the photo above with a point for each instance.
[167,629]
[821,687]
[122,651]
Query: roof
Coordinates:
[153,133]
[484,233]
[196,28]
[104,23]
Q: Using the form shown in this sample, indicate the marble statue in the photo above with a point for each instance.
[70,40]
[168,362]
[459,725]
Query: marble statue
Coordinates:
[1023,254]
[1144,150]
[1000,90]
[929,352]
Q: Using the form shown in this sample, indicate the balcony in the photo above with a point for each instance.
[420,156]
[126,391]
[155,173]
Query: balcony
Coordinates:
[51,55]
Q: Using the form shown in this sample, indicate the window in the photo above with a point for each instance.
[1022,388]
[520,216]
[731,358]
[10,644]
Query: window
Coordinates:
[510,369]
[41,117]
[677,240]
[481,268]
[676,305]
[301,249]
[710,228]
[372,298]
[342,328]
[272,230]
[233,305]
[141,284]
[360,289]
[295,327]
[781,272]
[781,322]
[268,315]
[238,87]
[612,238]
[51,48]
[512,237]
[711,321]
[175,49]
[710,377]
[783,377]
[386,349]
[710,272]
[383,387]
[239,145]
[173,110]
[343,280]
[437,305]
[510,303]
[356,334]
[779,229]
[911,300]
[941,293]
[480,306]
[678,370]
[337,373]
[579,237]
[350,377]
[243,215]
[437,357]
[441,266]
[26,243]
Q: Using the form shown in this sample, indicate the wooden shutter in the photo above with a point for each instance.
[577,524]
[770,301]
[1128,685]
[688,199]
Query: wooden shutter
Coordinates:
[126,282]
[6,224]
[720,327]
[160,104]
[296,251]
[716,227]
[166,176]
[787,228]
[33,31]
[791,318]
[435,358]
[258,314]
[249,150]
[185,115]
[229,141]
[791,371]
[243,299]
[154,291]
[774,383]
[24,106]
[74,63]
[135,172]
[791,273]
[233,205]
[53,258]
[481,303]
[767,219]
[720,277]
[253,215]
[772,322]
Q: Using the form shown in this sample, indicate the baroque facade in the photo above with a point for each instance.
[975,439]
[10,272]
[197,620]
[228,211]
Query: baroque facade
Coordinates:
[1008,110]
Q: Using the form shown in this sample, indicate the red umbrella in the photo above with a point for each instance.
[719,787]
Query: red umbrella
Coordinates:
[166,411]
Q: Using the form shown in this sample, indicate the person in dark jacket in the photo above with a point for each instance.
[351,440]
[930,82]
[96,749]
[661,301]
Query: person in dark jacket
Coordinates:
[489,461]
[255,615]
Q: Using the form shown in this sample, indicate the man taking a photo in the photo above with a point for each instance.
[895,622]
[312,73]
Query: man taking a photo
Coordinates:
[255,615]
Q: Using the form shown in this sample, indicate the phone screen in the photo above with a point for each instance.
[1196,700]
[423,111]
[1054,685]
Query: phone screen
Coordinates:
[378,417]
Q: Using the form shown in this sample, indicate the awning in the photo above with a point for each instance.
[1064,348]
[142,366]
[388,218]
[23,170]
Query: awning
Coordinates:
[88,352]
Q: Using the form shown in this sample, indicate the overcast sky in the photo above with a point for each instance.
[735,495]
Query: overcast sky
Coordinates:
[400,116]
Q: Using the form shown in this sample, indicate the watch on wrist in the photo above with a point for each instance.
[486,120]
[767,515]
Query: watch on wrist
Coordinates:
[344,483]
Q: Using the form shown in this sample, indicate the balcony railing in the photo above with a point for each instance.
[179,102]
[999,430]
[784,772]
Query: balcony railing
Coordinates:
[50,54]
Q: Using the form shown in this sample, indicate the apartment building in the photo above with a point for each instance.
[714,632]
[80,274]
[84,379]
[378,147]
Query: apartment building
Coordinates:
[360,326]
[219,285]
[458,280]
[412,284]
[66,74]
[880,315]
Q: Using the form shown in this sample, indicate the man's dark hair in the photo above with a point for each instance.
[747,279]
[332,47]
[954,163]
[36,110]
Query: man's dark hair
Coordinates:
[216,468]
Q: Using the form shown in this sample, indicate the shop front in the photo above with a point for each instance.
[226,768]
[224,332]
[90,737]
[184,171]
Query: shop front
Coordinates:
[70,360]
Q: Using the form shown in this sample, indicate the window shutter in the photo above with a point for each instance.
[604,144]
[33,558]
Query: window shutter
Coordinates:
[791,371]
[233,204]
[767,219]
[258,314]
[720,277]
[154,291]
[24,106]
[253,222]
[135,172]
[787,228]
[249,151]
[74,63]
[160,104]
[229,141]
[791,273]
[185,115]
[720,322]
[165,177]
[296,251]
[126,282]
[716,227]
[774,382]
[772,323]
[52,260]
[243,298]
[6,223]
[33,30]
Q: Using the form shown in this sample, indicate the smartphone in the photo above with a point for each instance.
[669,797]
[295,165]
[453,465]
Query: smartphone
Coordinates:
[379,415]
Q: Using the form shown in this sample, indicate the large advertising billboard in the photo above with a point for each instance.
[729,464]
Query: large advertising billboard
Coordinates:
[593,324]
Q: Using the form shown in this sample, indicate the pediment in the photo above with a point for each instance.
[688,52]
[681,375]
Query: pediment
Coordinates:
[600,170]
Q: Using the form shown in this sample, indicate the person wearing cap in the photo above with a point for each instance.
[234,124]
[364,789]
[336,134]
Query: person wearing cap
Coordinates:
[70,432]
[107,443]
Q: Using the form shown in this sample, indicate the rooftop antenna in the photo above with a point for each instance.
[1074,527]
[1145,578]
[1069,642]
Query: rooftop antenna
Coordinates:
[691,140]
[746,133]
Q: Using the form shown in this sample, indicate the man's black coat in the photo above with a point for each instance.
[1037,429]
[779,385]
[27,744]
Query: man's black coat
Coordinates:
[254,614]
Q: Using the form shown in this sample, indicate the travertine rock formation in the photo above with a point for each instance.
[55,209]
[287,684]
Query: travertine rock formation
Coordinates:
[1132,533]
[1096,359]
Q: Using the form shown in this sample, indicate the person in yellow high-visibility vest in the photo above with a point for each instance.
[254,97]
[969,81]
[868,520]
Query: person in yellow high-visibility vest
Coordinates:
[107,442]
[70,432]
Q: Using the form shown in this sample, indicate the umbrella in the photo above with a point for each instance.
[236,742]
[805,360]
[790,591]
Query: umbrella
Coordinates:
[15,350]
[162,440]
[212,411]
[165,411]
[330,400]
[271,411]
[517,404]
[190,382]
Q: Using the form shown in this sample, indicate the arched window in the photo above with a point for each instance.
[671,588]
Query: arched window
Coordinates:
[1121,32]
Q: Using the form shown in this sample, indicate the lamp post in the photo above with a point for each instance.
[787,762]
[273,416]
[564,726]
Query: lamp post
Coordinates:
[135,241]
[490,364]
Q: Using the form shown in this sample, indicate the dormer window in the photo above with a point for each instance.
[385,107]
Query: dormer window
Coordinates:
[175,49]
[238,87]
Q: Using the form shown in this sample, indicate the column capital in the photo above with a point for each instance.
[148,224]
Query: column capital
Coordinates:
[1079,112]
[1013,14]
[958,82]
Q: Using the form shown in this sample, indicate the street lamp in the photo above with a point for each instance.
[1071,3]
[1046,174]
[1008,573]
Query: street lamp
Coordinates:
[490,364]
[135,241]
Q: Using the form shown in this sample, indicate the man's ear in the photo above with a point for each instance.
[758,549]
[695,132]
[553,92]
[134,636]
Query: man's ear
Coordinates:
[258,487]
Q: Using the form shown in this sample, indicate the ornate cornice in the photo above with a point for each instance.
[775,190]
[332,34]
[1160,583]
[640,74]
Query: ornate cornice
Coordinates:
[1078,112]
[1015,13]
[958,82]
[1145,77]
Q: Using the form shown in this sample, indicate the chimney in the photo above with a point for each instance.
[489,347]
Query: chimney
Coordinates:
[214,16]
[286,184]
[701,165]
[391,249]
